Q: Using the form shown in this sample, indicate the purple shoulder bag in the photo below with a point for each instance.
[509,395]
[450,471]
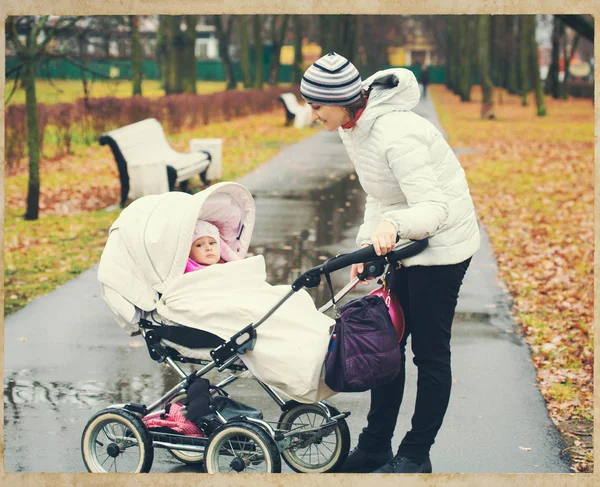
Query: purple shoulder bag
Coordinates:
[365,353]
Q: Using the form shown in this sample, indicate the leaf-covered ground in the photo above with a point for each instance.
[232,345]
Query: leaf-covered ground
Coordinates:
[532,181]
[79,195]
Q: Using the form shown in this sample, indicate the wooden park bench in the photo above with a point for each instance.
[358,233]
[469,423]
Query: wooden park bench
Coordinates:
[148,164]
[299,115]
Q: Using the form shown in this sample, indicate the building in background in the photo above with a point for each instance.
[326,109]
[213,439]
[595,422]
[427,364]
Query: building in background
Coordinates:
[419,47]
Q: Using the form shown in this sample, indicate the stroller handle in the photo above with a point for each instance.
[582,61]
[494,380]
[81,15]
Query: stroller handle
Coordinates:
[312,277]
[367,254]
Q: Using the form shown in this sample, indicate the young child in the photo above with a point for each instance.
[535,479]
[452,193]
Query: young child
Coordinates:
[207,248]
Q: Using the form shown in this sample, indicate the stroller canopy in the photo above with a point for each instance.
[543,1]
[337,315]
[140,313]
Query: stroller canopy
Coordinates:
[149,244]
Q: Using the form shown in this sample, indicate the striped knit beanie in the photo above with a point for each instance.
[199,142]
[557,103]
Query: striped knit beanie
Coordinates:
[332,80]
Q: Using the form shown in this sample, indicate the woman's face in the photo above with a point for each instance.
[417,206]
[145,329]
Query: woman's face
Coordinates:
[331,116]
[205,251]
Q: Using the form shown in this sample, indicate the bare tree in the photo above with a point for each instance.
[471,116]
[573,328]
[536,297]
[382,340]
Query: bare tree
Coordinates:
[534,65]
[298,70]
[29,54]
[512,56]
[452,53]
[188,68]
[258,51]
[245,51]
[339,34]
[567,56]
[487,87]
[224,35]
[524,84]
[377,33]
[277,39]
[136,55]
[552,85]
[465,48]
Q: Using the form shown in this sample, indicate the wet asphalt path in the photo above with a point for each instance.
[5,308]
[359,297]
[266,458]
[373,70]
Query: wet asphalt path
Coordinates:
[65,358]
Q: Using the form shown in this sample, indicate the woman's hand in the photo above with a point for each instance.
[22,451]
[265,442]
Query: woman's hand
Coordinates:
[383,238]
[358,268]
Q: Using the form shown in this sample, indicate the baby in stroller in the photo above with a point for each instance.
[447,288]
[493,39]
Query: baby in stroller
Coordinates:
[207,248]
[273,332]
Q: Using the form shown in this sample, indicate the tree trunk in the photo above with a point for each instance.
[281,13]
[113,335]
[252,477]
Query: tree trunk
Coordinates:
[487,105]
[245,52]
[498,74]
[162,51]
[373,42]
[278,39]
[33,138]
[259,65]
[298,69]
[534,64]
[338,34]
[524,83]
[513,63]
[136,56]
[449,52]
[82,59]
[178,53]
[552,84]
[564,92]
[223,36]
[189,56]
[174,58]
[453,57]
[171,56]
[464,53]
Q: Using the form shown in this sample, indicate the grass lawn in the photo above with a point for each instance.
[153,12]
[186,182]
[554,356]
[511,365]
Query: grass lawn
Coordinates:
[533,186]
[76,191]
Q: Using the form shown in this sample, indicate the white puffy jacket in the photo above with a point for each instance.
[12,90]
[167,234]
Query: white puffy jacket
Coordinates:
[410,174]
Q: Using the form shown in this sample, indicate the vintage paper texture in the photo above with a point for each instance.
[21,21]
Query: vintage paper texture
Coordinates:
[432,7]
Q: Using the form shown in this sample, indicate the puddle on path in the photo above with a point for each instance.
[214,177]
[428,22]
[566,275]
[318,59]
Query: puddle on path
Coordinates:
[290,231]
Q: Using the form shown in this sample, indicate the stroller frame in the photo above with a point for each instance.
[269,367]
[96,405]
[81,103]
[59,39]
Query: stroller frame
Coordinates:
[226,356]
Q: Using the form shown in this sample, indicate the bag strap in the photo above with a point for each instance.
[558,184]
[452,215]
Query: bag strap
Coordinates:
[328,279]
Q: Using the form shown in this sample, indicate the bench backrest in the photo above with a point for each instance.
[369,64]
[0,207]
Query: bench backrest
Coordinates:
[291,101]
[142,142]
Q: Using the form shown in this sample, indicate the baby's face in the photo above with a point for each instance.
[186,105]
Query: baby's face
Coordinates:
[205,251]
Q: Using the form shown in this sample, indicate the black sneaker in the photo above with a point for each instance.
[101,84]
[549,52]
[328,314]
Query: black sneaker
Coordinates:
[400,464]
[360,461]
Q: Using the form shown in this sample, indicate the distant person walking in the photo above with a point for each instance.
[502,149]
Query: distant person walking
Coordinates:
[415,188]
[424,80]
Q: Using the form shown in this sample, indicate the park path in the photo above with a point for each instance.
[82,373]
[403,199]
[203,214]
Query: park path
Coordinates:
[65,358]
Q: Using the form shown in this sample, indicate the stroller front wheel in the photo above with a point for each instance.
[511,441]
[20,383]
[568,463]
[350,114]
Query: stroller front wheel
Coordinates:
[241,447]
[316,452]
[116,440]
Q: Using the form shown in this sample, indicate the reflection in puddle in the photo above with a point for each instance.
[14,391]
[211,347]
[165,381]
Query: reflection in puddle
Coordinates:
[290,232]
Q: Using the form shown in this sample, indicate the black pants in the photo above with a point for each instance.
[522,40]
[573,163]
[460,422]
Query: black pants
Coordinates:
[428,295]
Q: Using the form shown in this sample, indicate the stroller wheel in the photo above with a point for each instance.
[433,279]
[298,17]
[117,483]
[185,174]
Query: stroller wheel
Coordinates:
[324,451]
[116,440]
[241,447]
[187,457]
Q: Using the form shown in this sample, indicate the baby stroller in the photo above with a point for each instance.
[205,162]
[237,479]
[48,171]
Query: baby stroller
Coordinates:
[182,320]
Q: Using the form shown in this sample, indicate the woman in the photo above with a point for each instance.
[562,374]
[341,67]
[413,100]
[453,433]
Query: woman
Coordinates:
[415,188]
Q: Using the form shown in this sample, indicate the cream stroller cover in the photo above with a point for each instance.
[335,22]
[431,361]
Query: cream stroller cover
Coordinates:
[141,271]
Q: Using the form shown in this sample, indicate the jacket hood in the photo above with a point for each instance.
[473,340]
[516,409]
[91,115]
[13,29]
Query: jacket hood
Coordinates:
[392,90]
